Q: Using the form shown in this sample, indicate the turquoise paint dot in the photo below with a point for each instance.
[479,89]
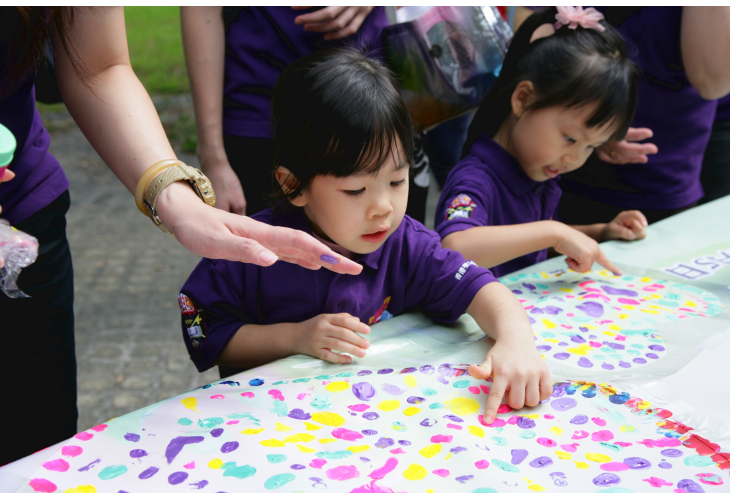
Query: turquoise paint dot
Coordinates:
[280,408]
[280,382]
[112,471]
[540,285]
[276,458]
[184,421]
[616,356]
[484,490]
[241,472]
[323,377]
[607,349]
[427,391]
[637,346]
[547,335]
[610,446]
[278,481]
[698,461]
[228,465]
[599,357]
[499,441]
[614,489]
[628,278]
[527,434]
[334,455]
[345,374]
[504,466]
[462,383]
[209,423]
[435,406]
[634,352]
[300,380]
[672,296]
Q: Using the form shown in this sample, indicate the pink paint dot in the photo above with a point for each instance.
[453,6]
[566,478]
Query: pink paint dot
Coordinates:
[42,485]
[84,436]
[570,448]
[441,438]
[579,435]
[217,396]
[547,442]
[276,394]
[359,407]
[58,465]
[657,482]
[397,451]
[504,409]
[473,389]
[232,422]
[99,428]
[602,436]
[247,394]
[454,426]
[343,473]
[191,465]
[548,416]
[302,396]
[481,464]
[442,472]
[598,421]
[71,451]
[595,344]
[484,389]
[623,444]
[317,463]
[614,466]
[498,422]
[513,420]
[346,434]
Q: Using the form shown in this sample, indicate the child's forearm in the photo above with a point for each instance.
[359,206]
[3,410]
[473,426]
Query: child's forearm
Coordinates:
[490,246]
[595,231]
[254,345]
[499,314]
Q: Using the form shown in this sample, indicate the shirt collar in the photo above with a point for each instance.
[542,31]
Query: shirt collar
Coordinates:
[504,165]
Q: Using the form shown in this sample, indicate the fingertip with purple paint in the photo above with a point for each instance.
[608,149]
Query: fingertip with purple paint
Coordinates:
[330,259]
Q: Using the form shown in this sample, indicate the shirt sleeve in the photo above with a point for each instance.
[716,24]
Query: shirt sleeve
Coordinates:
[441,282]
[463,202]
[212,309]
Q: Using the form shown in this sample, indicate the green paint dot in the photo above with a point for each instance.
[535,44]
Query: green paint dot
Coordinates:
[435,406]
[184,421]
[112,471]
[300,380]
[228,465]
[209,423]
[278,481]
[698,461]
[280,382]
[241,472]
[504,466]
[427,391]
[275,459]
[462,383]
[527,434]
[345,374]
[499,441]
[323,377]
[484,490]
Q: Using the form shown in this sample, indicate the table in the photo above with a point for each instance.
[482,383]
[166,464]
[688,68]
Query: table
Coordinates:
[691,248]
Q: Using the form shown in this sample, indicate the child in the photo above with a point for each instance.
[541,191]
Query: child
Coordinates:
[343,145]
[557,99]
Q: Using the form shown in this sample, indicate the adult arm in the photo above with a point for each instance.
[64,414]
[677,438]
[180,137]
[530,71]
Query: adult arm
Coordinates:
[705,44]
[335,22]
[203,36]
[121,123]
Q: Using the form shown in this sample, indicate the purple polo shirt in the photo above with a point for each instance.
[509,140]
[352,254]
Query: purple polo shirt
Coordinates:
[668,105]
[489,188]
[409,272]
[723,109]
[260,43]
[39,178]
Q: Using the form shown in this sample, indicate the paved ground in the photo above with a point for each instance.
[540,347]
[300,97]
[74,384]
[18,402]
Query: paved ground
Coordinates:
[128,273]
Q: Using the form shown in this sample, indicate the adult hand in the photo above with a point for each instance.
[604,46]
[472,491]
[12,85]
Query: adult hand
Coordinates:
[628,225]
[628,150]
[582,251]
[228,191]
[317,337]
[335,22]
[216,234]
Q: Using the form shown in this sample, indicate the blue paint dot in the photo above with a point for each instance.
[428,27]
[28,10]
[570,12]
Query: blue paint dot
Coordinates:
[256,382]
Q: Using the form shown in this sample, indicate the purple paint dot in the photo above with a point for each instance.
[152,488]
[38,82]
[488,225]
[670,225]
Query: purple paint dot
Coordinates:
[329,259]
[384,442]
[563,404]
[543,348]
[690,486]
[618,291]
[578,339]
[562,356]
[559,390]
[298,467]
[607,366]
[385,371]
[552,310]
[529,286]
[541,462]
[525,423]
[364,391]
[463,479]
[637,463]
[517,292]
[299,414]
[414,400]
[657,348]
[427,369]
[393,390]
[592,309]
[216,432]
[148,473]
[614,345]
[362,373]
[131,437]
[177,477]
[624,364]
[563,344]
[370,415]
[428,422]
[369,432]
[606,479]
[585,363]
[518,456]
[176,445]
[137,453]
[229,446]
[458,449]
[665,465]
[639,361]
[200,484]
[672,452]
[364,459]
[651,355]
[579,420]
[454,418]
[403,442]
[585,330]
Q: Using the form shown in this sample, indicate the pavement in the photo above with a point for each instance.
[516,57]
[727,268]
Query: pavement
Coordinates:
[127,276]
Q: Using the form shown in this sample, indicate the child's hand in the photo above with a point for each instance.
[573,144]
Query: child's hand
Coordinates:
[518,371]
[582,251]
[318,336]
[628,225]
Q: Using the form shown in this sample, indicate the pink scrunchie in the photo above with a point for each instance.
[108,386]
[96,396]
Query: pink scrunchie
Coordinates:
[574,16]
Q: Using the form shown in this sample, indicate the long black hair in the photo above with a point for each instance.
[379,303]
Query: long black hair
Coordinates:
[337,112]
[570,68]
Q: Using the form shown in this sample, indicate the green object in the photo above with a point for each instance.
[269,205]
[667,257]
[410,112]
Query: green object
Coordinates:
[7,146]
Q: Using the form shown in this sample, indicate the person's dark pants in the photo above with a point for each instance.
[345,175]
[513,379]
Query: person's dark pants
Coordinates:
[716,166]
[38,370]
[579,210]
[443,144]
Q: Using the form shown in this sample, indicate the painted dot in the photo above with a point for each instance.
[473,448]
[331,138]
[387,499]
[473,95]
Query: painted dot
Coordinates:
[278,481]
[112,471]
[415,472]
[148,473]
[177,477]
[42,485]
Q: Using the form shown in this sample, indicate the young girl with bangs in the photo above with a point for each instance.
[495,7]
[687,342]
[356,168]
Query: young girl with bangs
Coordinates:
[566,88]
[343,148]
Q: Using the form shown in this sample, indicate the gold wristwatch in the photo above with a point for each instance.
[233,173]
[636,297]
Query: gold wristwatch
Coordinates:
[165,173]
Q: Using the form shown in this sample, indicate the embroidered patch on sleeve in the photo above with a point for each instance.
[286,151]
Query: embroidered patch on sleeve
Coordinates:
[192,321]
[462,206]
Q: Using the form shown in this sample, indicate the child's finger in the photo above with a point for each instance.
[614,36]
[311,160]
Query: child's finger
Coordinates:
[603,260]
[573,264]
[481,372]
[349,345]
[546,387]
[516,396]
[532,393]
[351,323]
[332,357]
[496,394]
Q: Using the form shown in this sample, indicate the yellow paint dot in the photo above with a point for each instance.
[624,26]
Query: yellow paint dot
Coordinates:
[305,449]
[580,465]
[566,290]
[216,463]
[190,404]
[603,272]
[562,455]
[312,427]
[580,351]
[649,311]
[615,328]
[548,324]
[536,487]
[273,443]
[552,340]
[252,431]
[597,457]
[430,450]
[544,275]
[689,303]
[630,308]
[358,449]
[410,411]
[389,405]
[448,456]
[477,431]
[643,405]
[610,334]
[645,279]
[84,488]
[627,428]
[326,418]
[655,296]
[623,316]
[414,472]
[410,381]
[338,386]
[557,431]
[430,490]
[327,440]
[282,427]
[298,438]
[462,405]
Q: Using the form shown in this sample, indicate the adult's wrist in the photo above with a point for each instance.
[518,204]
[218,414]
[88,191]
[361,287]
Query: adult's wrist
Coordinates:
[175,201]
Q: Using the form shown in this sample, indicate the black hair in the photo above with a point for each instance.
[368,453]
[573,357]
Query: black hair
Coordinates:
[570,68]
[337,112]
